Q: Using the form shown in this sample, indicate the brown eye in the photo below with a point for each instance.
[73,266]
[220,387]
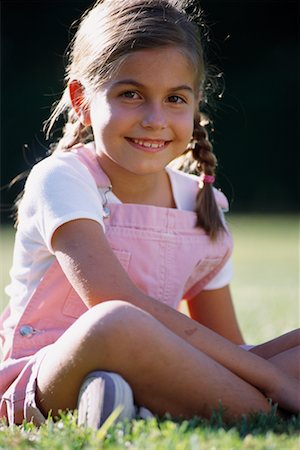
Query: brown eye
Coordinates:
[176,99]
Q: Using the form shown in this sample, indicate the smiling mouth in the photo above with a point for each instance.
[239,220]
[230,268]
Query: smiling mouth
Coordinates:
[148,144]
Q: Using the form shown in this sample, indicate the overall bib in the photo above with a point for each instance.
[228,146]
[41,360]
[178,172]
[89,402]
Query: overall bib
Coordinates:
[162,252]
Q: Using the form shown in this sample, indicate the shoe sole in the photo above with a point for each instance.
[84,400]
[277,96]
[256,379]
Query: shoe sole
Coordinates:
[100,394]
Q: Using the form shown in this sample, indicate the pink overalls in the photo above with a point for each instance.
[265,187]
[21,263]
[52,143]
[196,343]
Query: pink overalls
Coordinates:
[162,252]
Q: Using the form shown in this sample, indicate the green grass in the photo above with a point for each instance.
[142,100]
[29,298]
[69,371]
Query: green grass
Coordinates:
[261,432]
[265,285]
[6,251]
[266,293]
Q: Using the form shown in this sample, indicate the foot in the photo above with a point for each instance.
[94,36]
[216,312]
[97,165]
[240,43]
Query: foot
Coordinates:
[100,394]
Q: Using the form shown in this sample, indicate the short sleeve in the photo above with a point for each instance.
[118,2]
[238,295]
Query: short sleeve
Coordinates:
[59,189]
[223,278]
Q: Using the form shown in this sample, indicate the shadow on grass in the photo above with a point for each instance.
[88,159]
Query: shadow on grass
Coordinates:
[255,424]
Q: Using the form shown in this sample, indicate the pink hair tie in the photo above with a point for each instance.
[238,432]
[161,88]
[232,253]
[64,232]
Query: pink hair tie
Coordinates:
[208,179]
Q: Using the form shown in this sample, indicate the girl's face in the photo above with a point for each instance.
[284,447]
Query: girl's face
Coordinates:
[143,118]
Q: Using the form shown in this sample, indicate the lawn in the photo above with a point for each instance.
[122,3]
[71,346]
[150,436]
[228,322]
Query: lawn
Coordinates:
[266,274]
[266,294]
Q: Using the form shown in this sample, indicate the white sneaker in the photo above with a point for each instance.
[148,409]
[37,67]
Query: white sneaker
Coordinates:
[100,394]
[144,413]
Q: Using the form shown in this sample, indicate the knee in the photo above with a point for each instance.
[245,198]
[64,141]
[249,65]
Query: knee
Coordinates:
[116,322]
[116,312]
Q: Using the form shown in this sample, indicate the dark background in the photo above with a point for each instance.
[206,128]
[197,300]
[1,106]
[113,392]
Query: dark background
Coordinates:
[255,45]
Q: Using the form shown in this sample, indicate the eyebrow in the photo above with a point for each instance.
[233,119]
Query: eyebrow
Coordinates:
[181,87]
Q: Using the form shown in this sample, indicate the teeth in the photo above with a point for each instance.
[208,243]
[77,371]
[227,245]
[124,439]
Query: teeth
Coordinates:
[148,144]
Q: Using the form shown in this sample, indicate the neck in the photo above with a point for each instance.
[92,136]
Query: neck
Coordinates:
[144,189]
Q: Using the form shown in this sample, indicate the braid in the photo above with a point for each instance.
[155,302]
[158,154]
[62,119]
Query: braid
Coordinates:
[74,132]
[208,214]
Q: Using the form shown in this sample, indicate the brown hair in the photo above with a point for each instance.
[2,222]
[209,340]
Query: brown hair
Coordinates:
[208,214]
[107,34]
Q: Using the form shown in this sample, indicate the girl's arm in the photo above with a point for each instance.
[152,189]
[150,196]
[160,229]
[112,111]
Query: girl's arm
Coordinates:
[95,273]
[214,309]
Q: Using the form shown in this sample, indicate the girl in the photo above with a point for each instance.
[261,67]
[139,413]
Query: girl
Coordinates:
[108,243]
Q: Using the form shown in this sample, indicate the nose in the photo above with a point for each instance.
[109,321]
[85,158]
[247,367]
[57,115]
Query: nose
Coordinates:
[154,117]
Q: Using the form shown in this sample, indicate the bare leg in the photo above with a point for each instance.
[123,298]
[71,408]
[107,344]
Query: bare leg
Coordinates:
[283,352]
[288,361]
[166,373]
[278,345]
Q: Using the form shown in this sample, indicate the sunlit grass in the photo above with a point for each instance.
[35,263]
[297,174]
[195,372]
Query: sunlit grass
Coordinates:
[6,251]
[260,432]
[265,286]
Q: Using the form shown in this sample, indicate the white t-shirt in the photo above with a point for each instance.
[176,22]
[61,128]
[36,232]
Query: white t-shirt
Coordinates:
[56,191]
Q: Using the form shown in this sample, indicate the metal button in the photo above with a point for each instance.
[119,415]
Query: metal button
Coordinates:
[106,212]
[26,331]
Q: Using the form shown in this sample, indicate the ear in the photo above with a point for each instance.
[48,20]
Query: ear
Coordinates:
[79,101]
